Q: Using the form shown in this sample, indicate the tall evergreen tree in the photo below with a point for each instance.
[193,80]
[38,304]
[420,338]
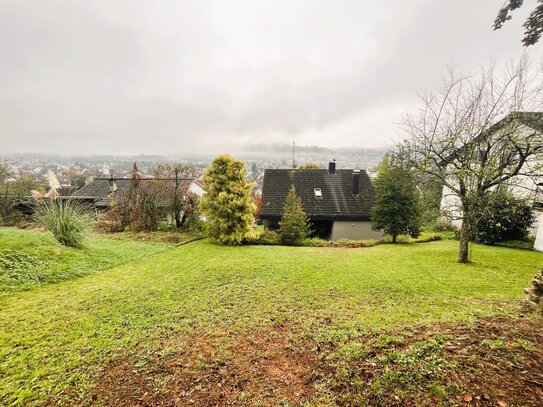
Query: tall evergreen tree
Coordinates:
[293,227]
[396,210]
[227,203]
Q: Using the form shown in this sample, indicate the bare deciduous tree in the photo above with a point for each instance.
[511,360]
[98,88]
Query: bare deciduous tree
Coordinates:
[180,201]
[476,133]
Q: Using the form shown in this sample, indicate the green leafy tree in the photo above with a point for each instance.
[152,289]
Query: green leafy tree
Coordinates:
[14,194]
[397,203]
[227,203]
[78,180]
[23,186]
[429,189]
[293,227]
[533,26]
[3,173]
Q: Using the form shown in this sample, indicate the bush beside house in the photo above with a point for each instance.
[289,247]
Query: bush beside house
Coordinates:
[500,216]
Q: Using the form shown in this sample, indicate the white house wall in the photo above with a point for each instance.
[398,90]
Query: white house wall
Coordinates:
[450,207]
[196,189]
[538,244]
[358,230]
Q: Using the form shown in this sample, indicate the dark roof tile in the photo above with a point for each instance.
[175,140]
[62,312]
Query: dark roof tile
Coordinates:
[337,202]
[99,189]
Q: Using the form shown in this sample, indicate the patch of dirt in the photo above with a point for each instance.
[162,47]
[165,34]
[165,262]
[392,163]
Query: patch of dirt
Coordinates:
[496,361]
[264,368]
[500,362]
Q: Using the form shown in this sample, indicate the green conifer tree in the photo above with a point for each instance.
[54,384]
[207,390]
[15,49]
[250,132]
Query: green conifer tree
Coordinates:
[227,203]
[293,227]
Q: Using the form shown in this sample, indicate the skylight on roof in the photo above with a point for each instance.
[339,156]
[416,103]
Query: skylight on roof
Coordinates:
[318,193]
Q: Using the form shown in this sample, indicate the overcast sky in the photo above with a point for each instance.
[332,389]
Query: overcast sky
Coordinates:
[176,77]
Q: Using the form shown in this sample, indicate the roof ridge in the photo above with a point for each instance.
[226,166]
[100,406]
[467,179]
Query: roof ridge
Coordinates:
[314,169]
[143,179]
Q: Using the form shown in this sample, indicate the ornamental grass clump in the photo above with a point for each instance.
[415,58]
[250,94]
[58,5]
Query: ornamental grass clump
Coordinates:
[68,221]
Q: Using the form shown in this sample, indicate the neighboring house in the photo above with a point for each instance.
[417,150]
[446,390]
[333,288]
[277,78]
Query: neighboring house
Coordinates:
[529,186]
[100,192]
[64,181]
[105,170]
[338,202]
[67,190]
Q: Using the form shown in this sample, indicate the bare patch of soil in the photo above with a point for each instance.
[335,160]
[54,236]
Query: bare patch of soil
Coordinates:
[496,361]
[213,372]
[500,362]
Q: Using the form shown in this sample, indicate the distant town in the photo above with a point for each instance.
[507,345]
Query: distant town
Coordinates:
[76,171]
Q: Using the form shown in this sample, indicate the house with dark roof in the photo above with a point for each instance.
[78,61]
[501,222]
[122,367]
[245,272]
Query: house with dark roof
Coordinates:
[100,192]
[338,202]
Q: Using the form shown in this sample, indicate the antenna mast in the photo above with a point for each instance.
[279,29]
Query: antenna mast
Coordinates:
[293,162]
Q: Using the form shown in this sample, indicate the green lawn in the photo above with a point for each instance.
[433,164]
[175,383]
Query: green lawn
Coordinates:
[56,339]
[29,259]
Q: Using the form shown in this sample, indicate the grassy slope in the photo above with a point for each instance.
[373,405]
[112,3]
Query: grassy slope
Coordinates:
[59,336]
[58,263]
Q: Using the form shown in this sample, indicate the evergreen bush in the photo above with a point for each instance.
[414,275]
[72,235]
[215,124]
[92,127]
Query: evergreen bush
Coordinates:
[294,226]
[227,204]
[500,216]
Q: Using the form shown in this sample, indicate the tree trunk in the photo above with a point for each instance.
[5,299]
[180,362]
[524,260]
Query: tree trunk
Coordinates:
[463,249]
[176,205]
[183,219]
[178,222]
[463,252]
[394,238]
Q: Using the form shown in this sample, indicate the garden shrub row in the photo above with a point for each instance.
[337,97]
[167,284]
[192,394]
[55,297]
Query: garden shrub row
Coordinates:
[271,238]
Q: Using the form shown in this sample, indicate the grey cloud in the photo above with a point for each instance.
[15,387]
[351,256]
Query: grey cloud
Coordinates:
[173,76]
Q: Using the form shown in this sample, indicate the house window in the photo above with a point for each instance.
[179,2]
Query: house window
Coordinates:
[318,193]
